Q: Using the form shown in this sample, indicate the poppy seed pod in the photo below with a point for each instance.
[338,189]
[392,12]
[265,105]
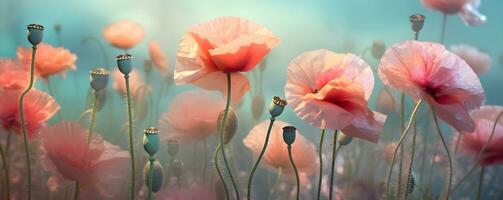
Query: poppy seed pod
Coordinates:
[177,167]
[35,34]
[344,139]
[151,140]
[289,134]
[99,79]
[416,22]
[277,106]
[378,49]
[257,106]
[124,63]
[173,147]
[231,124]
[157,177]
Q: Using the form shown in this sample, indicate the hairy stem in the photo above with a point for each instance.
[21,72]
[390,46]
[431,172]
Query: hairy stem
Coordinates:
[131,142]
[295,170]
[335,149]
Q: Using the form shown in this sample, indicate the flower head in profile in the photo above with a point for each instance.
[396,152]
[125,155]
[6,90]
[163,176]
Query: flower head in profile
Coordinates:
[276,154]
[135,81]
[479,61]
[50,60]
[224,45]
[191,116]
[12,75]
[428,71]
[98,166]
[466,9]
[472,143]
[330,91]
[158,57]
[124,34]
[38,108]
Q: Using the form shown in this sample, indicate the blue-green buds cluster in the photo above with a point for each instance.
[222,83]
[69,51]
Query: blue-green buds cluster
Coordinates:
[151,140]
[277,106]
[99,79]
[157,177]
[344,139]
[289,134]
[416,22]
[124,63]
[35,34]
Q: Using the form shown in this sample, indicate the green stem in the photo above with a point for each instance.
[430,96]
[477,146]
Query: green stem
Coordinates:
[408,189]
[131,143]
[271,195]
[432,165]
[320,153]
[91,121]
[295,170]
[205,163]
[335,149]
[76,194]
[23,125]
[222,137]
[6,171]
[481,181]
[444,26]
[168,173]
[402,138]
[215,159]
[423,158]
[402,150]
[150,177]
[449,181]
[250,179]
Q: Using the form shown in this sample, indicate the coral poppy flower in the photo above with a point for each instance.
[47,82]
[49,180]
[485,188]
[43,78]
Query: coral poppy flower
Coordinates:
[38,108]
[428,71]
[191,116]
[276,154]
[472,143]
[479,61]
[330,91]
[124,34]
[135,81]
[446,6]
[467,9]
[158,57]
[12,75]
[99,167]
[50,60]
[224,45]
[194,191]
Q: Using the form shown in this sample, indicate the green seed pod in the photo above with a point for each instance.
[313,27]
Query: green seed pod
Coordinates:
[277,106]
[151,140]
[157,178]
[289,134]
[231,124]
[344,139]
[416,22]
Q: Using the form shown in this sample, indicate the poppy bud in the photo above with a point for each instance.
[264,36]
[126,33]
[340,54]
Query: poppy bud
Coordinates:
[416,22]
[344,139]
[151,140]
[231,124]
[257,106]
[378,49]
[124,63]
[177,167]
[289,134]
[99,79]
[35,34]
[277,106]
[173,147]
[157,177]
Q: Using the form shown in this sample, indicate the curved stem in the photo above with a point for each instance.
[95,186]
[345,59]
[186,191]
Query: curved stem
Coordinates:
[275,184]
[131,143]
[410,186]
[266,141]
[402,150]
[393,103]
[23,125]
[444,26]
[449,181]
[320,176]
[215,159]
[222,137]
[6,171]
[91,121]
[76,194]
[402,138]
[481,181]
[294,169]
[479,154]
[335,150]
[150,177]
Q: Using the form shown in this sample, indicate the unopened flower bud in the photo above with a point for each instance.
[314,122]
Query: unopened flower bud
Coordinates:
[257,106]
[289,134]
[157,177]
[344,139]
[231,124]
[277,106]
[35,34]
[173,147]
[151,140]
[99,79]
[124,63]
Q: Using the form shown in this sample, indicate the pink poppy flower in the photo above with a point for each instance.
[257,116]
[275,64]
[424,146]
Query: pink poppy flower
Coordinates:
[445,6]
[427,71]
[472,143]
[479,61]
[38,108]
[467,9]
[49,61]
[194,191]
[158,57]
[135,81]
[224,45]
[330,91]
[191,116]
[276,154]
[124,34]
[12,75]
[99,167]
